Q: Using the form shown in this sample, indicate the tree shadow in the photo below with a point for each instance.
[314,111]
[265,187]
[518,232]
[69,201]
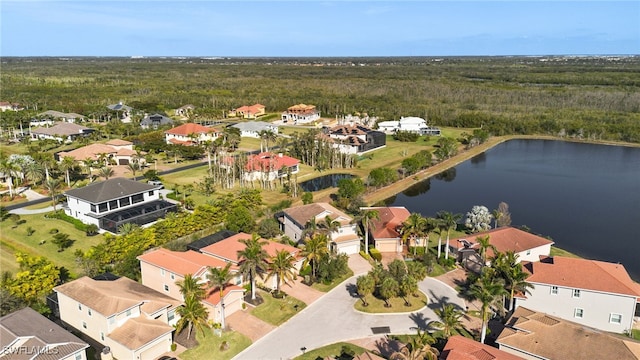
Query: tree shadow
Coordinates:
[387,346]
[439,302]
[353,290]
[420,321]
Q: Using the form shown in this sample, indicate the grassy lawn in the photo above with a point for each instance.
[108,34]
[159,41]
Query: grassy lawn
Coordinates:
[16,239]
[376,306]
[209,347]
[277,311]
[332,351]
[635,333]
[560,252]
[327,287]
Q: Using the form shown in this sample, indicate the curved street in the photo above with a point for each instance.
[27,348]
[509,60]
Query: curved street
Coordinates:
[332,318]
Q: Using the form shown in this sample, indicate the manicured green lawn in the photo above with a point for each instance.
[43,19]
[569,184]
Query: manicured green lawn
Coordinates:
[332,351]
[209,347]
[327,287]
[277,311]
[560,252]
[376,306]
[635,333]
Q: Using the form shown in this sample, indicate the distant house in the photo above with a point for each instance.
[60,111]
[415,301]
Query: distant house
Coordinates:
[592,293]
[268,166]
[161,269]
[384,232]
[129,319]
[462,348]
[123,111]
[356,139]
[301,114]
[61,132]
[185,110]
[120,151]
[190,134]
[57,115]
[25,334]
[528,246]
[411,124]
[248,112]
[111,203]
[536,335]
[294,220]
[6,105]
[155,121]
[253,128]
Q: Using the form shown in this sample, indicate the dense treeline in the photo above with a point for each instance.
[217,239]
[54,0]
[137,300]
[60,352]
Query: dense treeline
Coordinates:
[596,98]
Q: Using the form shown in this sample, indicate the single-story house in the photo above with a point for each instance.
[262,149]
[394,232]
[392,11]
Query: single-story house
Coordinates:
[535,335]
[67,117]
[191,134]
[120,151]
[356,139]
[462,348]
[25,334]
[248,112]
[155,121]
[111,203]
[124,111]
[301,114]
[5,105]
[184,110]
[384,232]
[253,128]
[130,320]
[61,132]
[411,124]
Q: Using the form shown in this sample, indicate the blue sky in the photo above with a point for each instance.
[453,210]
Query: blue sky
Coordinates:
[318,28]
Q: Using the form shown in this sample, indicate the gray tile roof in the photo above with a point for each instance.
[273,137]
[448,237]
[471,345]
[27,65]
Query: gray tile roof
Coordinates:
[156,118]
[109,190]
[254,126]
[62,128]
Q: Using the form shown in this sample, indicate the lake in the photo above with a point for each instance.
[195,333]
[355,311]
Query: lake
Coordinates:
[586,197]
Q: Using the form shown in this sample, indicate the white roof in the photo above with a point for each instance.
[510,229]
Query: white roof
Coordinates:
[412,120]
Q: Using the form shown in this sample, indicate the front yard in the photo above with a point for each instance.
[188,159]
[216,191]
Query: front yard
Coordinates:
[211,346]
[277,311]
[377,306]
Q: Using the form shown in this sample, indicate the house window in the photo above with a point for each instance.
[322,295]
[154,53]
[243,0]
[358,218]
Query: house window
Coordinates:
[554,290]
[112,320]
[102,207]
[125,201]
[79,306]
[89,312]
[576,293]
[101,336]
[578,313]
[128,313]
[173,277]
[84,324]
[166,287]
[528,252]
[79,356]
[137,198]
[93,208]
[151,193]
[113,204]
[162,272]
[615,318]
[171,316]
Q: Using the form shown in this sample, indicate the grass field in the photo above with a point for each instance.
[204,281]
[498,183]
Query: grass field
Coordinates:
[330,351]
[277,311]
[209,347]
[377,306]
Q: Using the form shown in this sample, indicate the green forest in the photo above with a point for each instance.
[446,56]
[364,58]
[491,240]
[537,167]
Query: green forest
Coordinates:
[591,98]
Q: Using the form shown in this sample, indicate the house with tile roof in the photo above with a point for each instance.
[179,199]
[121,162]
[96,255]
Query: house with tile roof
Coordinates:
[61,132]
[301,114]
[384,232]
[252,129]
[355,139]
[123,111]
[161,269]
[119,151]
[293,222]
[462,348]
[111,203]
[248,111]
[155,121]
[528,246]
[191,134]
[593,293]
[184,110]
[25,334]
[269,166]
[536,335]
[6,105]
[58,115]
[129,319]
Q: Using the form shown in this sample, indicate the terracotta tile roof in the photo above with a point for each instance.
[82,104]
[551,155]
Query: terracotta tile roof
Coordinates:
[346,238]
[268,160]
[302,109]
[179,142]
[213,297]
[112,297]
[190,128]
[182,263]
[582,274]
[461,348]
[529,331]
[303,214]
[250,109]
[119,142]
[62,128]
[91,151]
[390,220]
[506,239]
[228,248]
[137,332]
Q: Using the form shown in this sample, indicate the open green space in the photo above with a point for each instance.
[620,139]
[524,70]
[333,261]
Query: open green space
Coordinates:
[377,306]
[210,346]
[277,311]
[328,287]
[330,351]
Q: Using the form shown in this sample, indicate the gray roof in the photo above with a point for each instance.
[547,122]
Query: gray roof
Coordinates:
[157,119]
[59,114]
[62,129]
[256,126]
[119,106]
[109,190]
[28,323]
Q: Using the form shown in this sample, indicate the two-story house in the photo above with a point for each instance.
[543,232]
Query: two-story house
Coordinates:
[384,231]
[301,114]
[589,292]
[294,221]
[111,203]
[268,166]
[356,139]
[190,134]
[411,124]
[129,319]
[25,334]
[162,269]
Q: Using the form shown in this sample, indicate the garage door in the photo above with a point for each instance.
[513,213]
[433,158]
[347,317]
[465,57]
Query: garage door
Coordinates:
[386,246]
[349,248]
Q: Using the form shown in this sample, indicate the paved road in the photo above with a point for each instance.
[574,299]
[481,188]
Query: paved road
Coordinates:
[332,318]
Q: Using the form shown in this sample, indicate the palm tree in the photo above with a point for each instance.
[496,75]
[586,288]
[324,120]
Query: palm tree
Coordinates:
[310,229]
[407,286]
[67,164]
[53,185]
[442,226]
[190,287]
[281,266]
[451,221]
[418,348]
[9,169]
[413,228]
[35,172]
[89,163]
[488,290]
[134,166]
[192,314]
[314,249]
[388,289]
[329,226]
[105,172]
[128,228]
[219,279]
[268,136]
[365,285]
[484,244]
[253,260]
[510,270]
[449,319]
[367,218]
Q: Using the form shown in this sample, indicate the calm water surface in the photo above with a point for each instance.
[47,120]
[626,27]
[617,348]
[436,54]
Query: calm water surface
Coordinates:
[585,197]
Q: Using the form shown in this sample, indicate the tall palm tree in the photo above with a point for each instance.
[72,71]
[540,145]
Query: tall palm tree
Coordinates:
[190,287]
[451,221]
[67,164]
[489,291]
[9,169]
[253,260]
[134,167]
[35,172]
[365,285]
[418,348]
[413,228]
[329,226]
[192,314]
[219,279]
[367,217]
[442,226]
[310,229]
[89,163]
[105,172]
[281,266]
[511,271]
[449,316]
[269,136]
[484,243]
[314,249]
[53,185]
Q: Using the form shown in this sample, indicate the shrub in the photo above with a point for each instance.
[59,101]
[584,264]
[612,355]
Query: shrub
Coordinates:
[365,255]
[60,215]
[53,231]
[305,270]
[30,231]
[406,136]
[418,250]
[375,254]
[91,229]
[174,346]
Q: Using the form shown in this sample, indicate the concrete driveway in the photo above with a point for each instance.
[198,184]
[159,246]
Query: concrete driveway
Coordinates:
[332,318]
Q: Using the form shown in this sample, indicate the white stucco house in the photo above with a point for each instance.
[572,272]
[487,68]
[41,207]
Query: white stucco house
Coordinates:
[589,292]
[294,220]
[111,203]
[354,139]
[268,166]
[301,114]
[190,134]
[411,124]
[253,128]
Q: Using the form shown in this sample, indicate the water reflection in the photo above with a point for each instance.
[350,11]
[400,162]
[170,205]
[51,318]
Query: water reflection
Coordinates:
[447,175]
[418,189]
[324,182]
[479,159]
